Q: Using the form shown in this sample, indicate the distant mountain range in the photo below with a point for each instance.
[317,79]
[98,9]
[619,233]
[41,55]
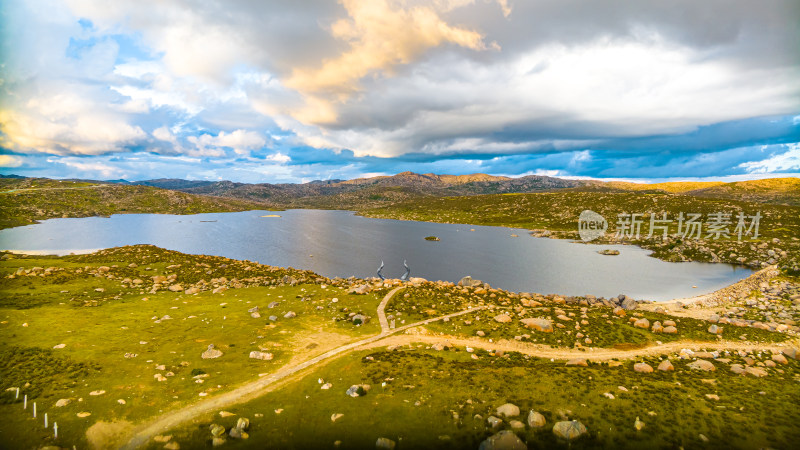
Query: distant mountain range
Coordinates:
[365,192]
[407,185]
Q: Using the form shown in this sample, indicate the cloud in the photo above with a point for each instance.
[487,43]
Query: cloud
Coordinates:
[240,141]
[10,161]
[583,87]
[783,162]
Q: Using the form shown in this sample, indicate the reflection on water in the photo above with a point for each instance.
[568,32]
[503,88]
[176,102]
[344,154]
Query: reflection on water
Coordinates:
[343,244]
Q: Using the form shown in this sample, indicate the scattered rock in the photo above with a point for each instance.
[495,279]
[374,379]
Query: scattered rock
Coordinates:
[755,371]
[702,364]
[60,346]
[384,444]
[535,420]
[336,416]
[290,314]
[264,356]
[643,368]
[538,324]
[516,425]
[780,359]
[715,329]
[84,414]
[508,410]
[63,402]
[638,424]
[666,366]
[504,440]
[642,323]
[569,429]
[577,362]
[101,392]
[502,318]
[211,352]
[357,390]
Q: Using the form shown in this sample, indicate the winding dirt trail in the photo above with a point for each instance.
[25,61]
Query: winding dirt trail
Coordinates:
[591,353]
[382,308]
[143,433]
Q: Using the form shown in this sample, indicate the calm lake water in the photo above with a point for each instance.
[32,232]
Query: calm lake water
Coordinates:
[343,244]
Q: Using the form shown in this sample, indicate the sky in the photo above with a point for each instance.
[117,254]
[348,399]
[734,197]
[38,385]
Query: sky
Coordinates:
[292,91]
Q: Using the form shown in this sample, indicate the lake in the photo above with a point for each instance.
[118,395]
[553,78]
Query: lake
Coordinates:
[339,243]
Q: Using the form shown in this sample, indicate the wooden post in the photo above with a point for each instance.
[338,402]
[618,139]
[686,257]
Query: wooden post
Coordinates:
[25,402]
[55,428]
[17,397]
[45,420]
[34,410]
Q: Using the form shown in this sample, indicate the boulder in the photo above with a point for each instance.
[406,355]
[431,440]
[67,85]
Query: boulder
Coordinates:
[755,371]
[63,402]
[494,422]
[780,359]
[502,318]
[577,362]
[670,323]
[666,366]
[715,329]
[264,356]
[176,288]
[670,330]
[702,364]
[790,352]
[642,323]
[516,425]
[538,324]
[290,314]
[737,369]
[535,420]
[504,440]
[384,444]
[643,368]
[508,410]
[211,352]
[629,304]
[569,429]
[216,430]
[357,390]
[469,282]
[657,327]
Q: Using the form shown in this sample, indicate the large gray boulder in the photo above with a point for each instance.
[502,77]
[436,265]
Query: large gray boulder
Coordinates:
[629,304]
[538,324]
[504,440]
[467,281]
[702,364]
[569,429]
[535,419]
[211,352]
[508,410]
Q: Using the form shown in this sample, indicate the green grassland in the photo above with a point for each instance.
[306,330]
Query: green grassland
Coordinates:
[420,398]
[93,305]
[557,212]
[100,328]
[29,200]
